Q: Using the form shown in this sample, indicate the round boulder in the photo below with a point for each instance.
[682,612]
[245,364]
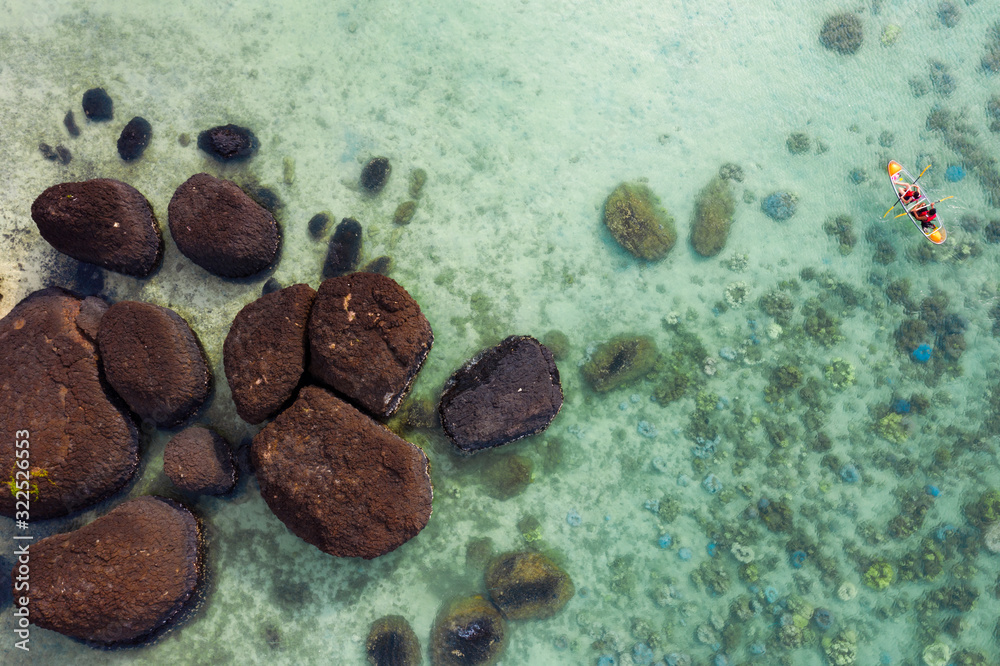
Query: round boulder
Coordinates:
[83,446]
[199,461]
[367,340]
[392,642]
[468,632]
[120,578]
[103,222]
[527,586]
[219,227]
[339,480]
[503,394]
[265,351]
[154,361]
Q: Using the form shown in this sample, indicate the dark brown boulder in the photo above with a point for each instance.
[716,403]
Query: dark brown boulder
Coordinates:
[468,632]
[527,585]
[367,339]
[199,461]
[103,222]
[339,480]
[265,351]
[83,445]
[392,642]
[153,360]
[120,578]
[503,394]
[219,227]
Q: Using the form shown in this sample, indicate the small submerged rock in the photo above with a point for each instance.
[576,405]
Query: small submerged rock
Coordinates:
[134,139]
[344,250]
[219,227]
[264,354]
[119,578]
[376,174]
[97,105]
[154,361]
[368,339]
[842,33]
[620,361]
[392,642]
[318,224]
[503,394]
[103,222]
[198,460]
[634,217]
[468,632]
[228,143]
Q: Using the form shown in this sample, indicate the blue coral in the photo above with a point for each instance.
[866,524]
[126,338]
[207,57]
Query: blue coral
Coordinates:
[954,173]
[798,559]
[712,484]
[646,429]
[642,654]
[823,619]
[665,541]
[922,353]
[779,206]
[901,406]
[849,473]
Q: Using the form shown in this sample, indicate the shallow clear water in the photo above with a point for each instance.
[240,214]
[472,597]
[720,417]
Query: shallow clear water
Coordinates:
[525,116]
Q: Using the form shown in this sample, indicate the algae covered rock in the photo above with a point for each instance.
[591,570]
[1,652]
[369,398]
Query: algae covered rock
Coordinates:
[528,585]
[713,215]
[468,632]
[620,361]
[392,642]
[634,217]
[842,33]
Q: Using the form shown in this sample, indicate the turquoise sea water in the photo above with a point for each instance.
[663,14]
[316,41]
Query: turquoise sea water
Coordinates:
[525,116]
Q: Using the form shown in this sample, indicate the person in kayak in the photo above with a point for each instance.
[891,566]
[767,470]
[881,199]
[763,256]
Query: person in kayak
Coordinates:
[908,193]
[926,215]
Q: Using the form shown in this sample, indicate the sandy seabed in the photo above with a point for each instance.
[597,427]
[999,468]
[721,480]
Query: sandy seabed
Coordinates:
[525,115]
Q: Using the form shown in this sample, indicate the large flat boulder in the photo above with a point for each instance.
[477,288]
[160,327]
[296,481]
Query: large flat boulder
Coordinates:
[367,340]
[82,443]
[120,578]
[103,222]
[154,361]
[265,351]
[502,394]
[339,480]
[219,227]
